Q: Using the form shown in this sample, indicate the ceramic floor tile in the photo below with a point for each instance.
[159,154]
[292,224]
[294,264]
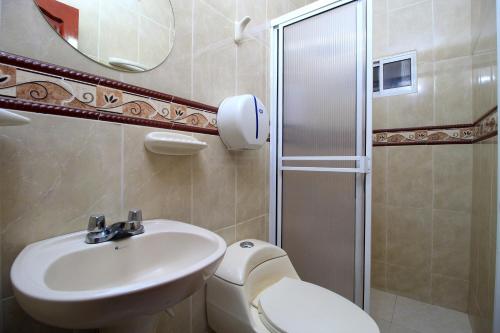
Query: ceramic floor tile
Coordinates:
[427,318]
[408,308]
[383,325]
[394,328]
[382,305]
[396,314]
[449,321]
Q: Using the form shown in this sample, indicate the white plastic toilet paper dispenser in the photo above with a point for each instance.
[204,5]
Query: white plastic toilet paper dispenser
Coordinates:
[243,122]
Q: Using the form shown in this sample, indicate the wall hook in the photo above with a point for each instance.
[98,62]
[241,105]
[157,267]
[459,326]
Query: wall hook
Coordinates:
[239,27]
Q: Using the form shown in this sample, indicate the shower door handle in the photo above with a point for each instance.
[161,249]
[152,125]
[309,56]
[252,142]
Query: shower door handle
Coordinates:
[364,164]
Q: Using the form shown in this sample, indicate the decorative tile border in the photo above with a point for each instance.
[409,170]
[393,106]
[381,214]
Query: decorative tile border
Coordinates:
[31,85]
[423,136]
[484,128]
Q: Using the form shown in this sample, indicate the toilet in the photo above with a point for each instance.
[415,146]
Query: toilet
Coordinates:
[256,289]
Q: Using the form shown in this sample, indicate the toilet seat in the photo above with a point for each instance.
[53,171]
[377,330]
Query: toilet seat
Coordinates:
[295,306]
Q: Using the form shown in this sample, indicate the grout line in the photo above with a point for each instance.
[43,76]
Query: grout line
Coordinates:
[192,47]
[251,219]
[231,20]
[220,44]
[236,65]
[191,313]
[406,6]
[222,229]
[484,52]
[394,307]
[191,217]
[434,91]
[99,31]
[122,170]
[139,39]
[153,21]
[491,284]
[450,277]
[475,43]
[386,200]
[462,57]
[268,21]
[386,47]
[235,161]
[433,176]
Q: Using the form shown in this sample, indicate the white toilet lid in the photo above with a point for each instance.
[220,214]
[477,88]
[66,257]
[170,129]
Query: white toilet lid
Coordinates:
[295,306]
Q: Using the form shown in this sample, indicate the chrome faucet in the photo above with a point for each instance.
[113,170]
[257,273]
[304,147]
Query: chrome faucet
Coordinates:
[98,232]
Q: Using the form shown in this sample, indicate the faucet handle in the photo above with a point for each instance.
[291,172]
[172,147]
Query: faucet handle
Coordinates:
[97,223]
[135,215]
[134,225]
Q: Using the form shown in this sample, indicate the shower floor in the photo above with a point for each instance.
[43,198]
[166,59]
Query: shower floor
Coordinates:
[397,314]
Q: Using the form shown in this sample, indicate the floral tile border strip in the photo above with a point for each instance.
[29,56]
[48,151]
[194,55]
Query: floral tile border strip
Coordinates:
[423,136]
[48,87]
[484,128]
[31,85]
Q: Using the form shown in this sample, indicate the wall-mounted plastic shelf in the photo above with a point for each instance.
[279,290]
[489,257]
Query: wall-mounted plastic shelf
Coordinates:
[8,118]
[167,143]
[127,64]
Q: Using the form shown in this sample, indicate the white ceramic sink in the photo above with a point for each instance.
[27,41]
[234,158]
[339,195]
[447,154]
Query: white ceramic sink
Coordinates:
[68,283]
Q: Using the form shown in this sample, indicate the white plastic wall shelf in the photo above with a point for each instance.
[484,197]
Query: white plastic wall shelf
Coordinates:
[8,118]
[167,143]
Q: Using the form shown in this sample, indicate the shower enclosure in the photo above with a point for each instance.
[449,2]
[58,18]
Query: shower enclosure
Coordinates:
[321,144]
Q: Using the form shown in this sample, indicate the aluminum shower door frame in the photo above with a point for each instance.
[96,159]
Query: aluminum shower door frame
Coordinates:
[364,135]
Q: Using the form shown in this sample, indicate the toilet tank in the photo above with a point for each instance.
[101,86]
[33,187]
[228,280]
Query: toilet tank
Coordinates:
[249,267]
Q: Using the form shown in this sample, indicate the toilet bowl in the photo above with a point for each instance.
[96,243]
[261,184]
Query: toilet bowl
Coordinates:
[256,289]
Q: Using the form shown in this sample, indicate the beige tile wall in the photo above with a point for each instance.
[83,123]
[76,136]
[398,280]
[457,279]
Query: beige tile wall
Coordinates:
[422,200]
[421,222]
[483,231]
[56,171]
[483,240]
[439,30]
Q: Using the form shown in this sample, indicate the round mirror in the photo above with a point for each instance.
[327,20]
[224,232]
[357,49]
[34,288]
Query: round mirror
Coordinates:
[129,35]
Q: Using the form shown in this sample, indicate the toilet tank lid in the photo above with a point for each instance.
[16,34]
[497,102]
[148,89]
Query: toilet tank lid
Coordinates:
[243,256]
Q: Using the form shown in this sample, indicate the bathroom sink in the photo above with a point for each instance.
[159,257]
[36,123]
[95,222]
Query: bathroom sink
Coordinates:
[68,283]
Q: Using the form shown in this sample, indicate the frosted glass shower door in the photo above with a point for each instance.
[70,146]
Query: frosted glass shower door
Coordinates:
[320,155]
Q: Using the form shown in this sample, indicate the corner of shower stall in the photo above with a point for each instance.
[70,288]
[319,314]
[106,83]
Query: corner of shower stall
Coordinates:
[434,203]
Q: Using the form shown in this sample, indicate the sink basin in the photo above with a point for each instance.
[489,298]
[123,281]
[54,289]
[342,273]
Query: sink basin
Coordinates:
[68,283]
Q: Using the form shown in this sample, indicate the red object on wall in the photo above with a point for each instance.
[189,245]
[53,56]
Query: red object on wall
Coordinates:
[63,18]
